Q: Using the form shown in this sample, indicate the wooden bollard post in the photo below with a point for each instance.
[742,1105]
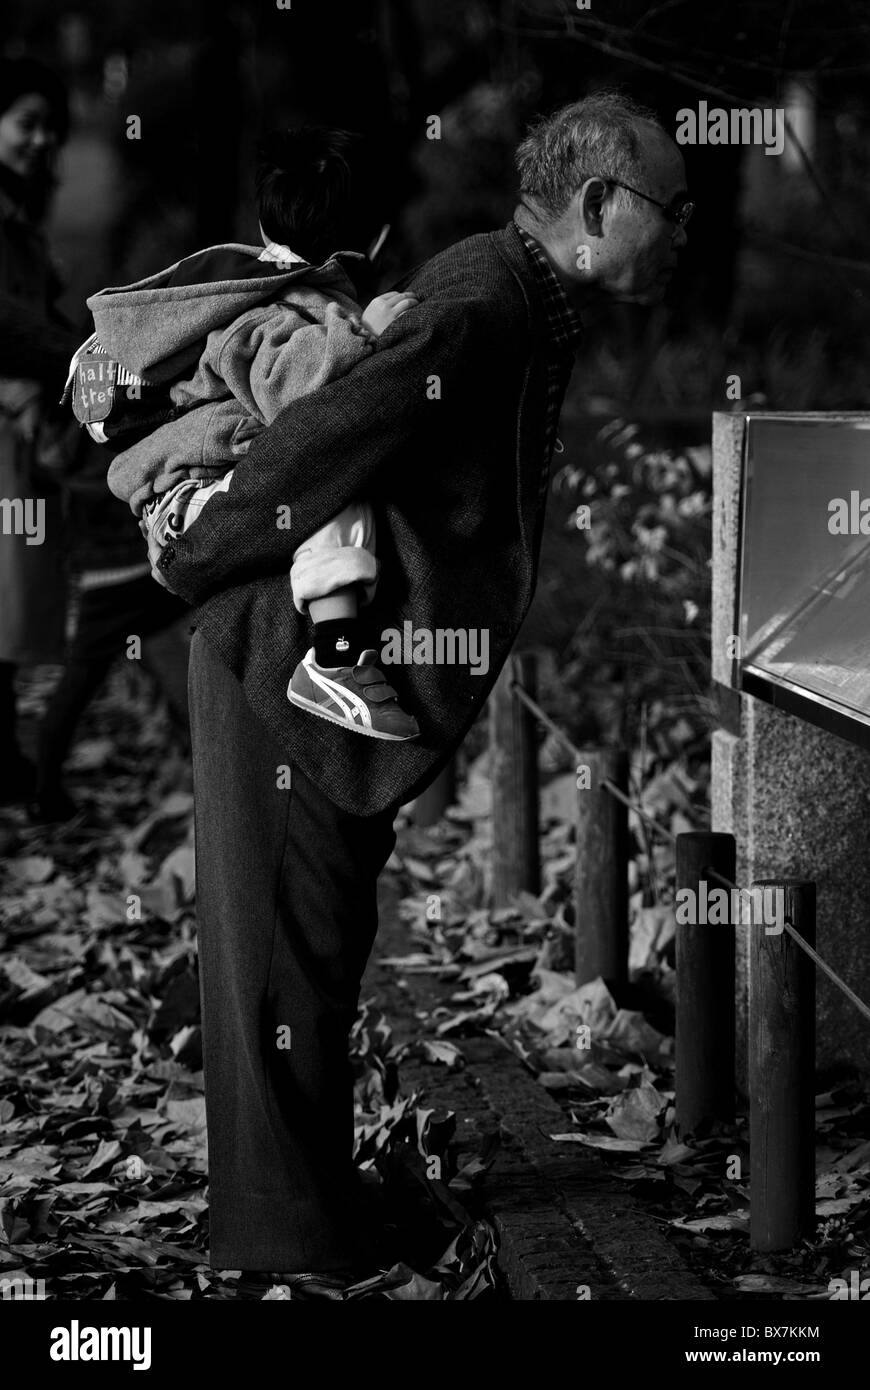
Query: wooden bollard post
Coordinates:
[704,1083]
[514,752]
[431,804]
[782,1035]
[601,873]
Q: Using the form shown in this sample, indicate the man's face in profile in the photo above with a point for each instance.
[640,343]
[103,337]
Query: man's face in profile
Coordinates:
[642,239]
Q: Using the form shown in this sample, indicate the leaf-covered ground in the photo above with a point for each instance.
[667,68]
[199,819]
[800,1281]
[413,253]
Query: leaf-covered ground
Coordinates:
[608,1062]
[102,1136]
[102,1118]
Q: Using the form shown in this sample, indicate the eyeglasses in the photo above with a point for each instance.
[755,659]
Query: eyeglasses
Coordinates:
[678,210]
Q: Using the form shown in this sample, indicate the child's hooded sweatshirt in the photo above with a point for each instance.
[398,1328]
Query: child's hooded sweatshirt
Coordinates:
[236,333]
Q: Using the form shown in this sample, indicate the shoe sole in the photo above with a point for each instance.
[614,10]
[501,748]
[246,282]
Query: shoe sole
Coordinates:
[321,713]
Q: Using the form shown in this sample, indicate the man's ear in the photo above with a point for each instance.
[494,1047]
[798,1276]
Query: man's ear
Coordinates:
[591,199]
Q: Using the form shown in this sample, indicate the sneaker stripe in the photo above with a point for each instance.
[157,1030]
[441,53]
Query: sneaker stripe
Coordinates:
[351,705]
[334,696]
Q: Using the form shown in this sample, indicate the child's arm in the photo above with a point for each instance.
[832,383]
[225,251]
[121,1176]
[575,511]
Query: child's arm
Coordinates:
[202,444]
[269,360]
[264,364]
[384,309]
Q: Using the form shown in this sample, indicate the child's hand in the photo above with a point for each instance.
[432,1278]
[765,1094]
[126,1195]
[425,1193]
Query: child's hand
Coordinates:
[385,309]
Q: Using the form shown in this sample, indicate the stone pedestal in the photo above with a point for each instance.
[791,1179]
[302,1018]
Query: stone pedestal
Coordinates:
[796,798]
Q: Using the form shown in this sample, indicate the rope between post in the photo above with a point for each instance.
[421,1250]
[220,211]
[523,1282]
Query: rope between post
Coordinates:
[578,755]
[831,974]
[632,806]
[545,719]
[805,946]
[607,785]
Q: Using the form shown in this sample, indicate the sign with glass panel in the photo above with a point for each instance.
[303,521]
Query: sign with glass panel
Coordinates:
[804,595]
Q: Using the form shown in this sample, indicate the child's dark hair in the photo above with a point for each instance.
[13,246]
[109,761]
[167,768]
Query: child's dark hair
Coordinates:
[312,193]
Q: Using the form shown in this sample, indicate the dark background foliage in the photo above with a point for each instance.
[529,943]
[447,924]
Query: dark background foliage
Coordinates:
[773,289]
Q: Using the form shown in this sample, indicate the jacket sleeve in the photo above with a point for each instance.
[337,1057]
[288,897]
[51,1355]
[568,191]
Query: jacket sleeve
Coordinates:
[203,443]
[269,359]
[334,445]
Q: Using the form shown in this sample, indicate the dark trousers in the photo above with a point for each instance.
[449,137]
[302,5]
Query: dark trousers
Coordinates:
[287,914]
[106,618]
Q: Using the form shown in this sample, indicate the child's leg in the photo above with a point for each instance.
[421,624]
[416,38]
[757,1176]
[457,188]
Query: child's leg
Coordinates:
[342,604]
[328,572]
[333,572]
[339,559]
[335,627]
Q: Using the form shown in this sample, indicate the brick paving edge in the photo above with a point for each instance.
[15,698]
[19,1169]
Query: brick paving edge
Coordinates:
[563,1220]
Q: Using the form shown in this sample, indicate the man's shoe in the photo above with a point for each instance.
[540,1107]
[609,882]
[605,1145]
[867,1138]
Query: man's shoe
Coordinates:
[259,1284]
[313,1286]
[358,697]
[338,1288]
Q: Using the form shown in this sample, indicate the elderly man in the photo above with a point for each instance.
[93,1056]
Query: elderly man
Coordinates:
[448,431]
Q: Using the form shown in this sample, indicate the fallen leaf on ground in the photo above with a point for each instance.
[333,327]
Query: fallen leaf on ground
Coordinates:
[602,1141]
[635,1113]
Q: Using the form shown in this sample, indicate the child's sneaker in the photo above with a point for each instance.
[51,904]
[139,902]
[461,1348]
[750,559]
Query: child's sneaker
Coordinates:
[358,697]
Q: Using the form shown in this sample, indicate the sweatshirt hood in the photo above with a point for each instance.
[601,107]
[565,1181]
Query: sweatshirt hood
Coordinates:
[156,326]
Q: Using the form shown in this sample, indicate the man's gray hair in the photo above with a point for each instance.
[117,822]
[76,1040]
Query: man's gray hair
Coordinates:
[596,136]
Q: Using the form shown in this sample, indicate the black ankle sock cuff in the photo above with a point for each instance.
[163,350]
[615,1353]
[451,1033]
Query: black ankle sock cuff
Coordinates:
[337,641]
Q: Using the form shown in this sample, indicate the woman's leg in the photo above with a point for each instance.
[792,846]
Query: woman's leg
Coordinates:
[95,646]
[8,716]
[107,618]
[16,772]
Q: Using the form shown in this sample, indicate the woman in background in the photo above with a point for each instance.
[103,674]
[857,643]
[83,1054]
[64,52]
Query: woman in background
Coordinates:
[33,126]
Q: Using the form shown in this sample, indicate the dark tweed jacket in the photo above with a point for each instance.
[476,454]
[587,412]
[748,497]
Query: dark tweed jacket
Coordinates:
[454,469]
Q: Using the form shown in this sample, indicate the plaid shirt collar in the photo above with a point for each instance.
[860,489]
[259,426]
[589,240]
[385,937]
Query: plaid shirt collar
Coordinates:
[565,324]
